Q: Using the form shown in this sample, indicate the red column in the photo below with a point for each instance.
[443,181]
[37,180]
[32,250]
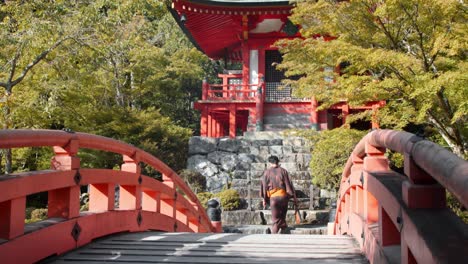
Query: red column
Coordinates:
[204,122]
[245,64]
[375,121]
[210,124]
[130,195]
[205,88]
[345,112]
[232,121]
[65,202]
[314,117]
[12,218]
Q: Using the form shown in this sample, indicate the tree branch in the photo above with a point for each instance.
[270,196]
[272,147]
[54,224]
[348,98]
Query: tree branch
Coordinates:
[36,60]
[14,63]
[420,34]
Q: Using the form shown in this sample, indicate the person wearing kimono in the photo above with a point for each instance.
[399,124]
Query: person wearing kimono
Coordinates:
[276,189]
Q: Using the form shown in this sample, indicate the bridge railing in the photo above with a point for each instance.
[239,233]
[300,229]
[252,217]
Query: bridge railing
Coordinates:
[403,218]
[144,203]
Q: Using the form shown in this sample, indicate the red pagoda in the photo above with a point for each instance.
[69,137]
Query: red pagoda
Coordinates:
[250,98]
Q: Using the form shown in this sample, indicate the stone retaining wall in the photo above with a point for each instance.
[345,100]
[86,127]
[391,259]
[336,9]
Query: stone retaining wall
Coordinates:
[240,163]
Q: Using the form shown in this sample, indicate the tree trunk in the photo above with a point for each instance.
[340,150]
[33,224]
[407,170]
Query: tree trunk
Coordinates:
[7,152]
[456,147]
[8,161]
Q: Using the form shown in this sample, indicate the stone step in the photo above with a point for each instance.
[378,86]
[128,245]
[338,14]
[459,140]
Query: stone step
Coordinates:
[260,217]
[159,247]
[281,127]
[266,135]
[293,230]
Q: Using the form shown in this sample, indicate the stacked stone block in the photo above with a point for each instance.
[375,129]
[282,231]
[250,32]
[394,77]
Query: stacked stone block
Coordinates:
[240,163]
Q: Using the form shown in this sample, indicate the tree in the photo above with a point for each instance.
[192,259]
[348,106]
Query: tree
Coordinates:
[29,33]
[129,74]
[410,53]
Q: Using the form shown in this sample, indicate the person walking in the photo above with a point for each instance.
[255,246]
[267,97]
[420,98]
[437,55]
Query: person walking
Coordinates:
[276,189]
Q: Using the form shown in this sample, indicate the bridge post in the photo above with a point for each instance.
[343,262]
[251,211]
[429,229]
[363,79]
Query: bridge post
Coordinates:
[12,215]
[130,195]
[65,202]
[168,203]
[193,220]
[421,191]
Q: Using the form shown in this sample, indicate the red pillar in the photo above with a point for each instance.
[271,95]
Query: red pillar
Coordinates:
[232,121]
[345,112]
[12,215]
[314,117]
[375,121]
[130,195]
[205,88]
[245,64]
[210,124]
[204,122]
[65,202]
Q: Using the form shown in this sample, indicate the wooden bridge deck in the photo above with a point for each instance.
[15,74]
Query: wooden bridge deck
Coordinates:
[157,247]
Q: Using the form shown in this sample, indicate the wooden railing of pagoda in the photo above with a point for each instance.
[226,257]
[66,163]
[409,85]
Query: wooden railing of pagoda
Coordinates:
[403,216]
[241,92]
[144,203]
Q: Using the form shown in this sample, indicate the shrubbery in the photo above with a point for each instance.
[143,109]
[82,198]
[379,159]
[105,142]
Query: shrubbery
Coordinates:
[37,215]
[194,180]
[203,197]
[230,199]
[330,153]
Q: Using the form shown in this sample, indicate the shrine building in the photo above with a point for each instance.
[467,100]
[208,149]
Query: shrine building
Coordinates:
[251,97]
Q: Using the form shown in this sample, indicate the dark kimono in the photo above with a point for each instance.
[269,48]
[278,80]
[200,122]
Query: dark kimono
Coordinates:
[276,188]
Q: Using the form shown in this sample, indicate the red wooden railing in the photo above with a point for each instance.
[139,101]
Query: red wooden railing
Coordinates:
[217,92]
[403,216]
[144,203]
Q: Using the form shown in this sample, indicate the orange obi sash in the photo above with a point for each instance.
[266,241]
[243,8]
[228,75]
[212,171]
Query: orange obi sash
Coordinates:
[276,192]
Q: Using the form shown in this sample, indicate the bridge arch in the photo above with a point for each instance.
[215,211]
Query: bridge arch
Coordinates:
[144,203]
[403,218]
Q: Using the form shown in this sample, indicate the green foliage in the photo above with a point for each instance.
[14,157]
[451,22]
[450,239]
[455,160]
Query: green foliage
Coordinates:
[31,159]
[204,197]
[412,54]
[457,207]
[330,154]
[116,68]
[396,160]
[229,199]
[38,214]
[195,180]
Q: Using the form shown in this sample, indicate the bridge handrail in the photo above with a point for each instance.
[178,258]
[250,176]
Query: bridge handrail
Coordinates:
[42,138]
[444,169]
[383,209]
[144,196]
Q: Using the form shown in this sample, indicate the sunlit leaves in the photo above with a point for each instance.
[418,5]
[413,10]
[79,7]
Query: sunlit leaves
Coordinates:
[410,53]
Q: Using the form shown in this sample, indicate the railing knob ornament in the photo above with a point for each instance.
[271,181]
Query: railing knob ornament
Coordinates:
[77,177]
[76,231]
[214,213]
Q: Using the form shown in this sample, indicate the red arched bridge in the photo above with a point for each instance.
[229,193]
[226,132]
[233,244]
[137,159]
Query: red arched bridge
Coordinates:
[388,217]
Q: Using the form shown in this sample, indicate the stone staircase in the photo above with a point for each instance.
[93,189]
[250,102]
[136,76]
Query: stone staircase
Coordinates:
[157,247]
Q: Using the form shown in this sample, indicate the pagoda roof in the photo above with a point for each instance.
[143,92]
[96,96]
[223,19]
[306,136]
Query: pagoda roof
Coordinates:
[216,26]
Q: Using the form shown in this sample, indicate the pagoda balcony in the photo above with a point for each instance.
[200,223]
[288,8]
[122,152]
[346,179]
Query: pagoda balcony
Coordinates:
[271,91]
[231,92]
